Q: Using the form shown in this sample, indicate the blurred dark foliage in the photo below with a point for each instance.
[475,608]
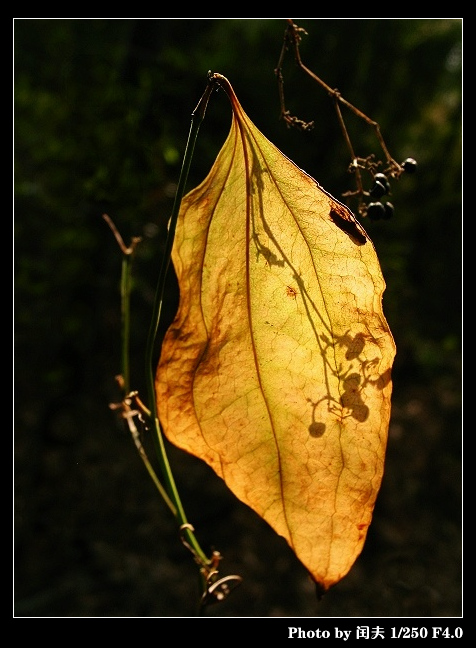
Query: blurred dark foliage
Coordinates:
[102,113]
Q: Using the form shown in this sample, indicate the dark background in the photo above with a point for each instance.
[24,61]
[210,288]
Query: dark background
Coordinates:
[102,113]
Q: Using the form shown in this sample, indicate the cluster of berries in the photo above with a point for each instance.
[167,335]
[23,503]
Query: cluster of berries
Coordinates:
[380,188]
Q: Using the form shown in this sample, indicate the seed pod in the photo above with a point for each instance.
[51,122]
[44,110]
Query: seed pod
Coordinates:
[381,177]
[378,190]
[389,210]
[375,211]
[409,165]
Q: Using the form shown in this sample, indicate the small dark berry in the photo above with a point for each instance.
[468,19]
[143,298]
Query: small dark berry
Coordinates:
[378,190]
[409,165]
[381,177]
[375,211]
[389,211]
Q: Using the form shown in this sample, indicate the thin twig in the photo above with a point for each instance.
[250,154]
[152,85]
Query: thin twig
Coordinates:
[134,241]
[129,414]
[292,40]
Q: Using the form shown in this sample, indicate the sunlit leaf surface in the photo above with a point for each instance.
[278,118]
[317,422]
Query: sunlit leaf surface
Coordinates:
[277,368]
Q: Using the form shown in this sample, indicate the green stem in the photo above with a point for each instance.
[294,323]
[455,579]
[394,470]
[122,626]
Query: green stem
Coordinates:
[125,318]
[197,118]
[126,276]
[127,413]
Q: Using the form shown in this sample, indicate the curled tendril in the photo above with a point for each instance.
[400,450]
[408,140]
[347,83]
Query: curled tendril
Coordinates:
[215,589]
[219,590]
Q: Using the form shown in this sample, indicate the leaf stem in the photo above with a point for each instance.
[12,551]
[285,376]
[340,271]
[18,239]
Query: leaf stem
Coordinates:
[186,529]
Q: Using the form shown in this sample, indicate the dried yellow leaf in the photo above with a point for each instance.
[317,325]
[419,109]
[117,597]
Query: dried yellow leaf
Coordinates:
[277,368]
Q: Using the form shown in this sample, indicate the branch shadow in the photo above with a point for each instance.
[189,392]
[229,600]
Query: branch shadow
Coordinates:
[355,372]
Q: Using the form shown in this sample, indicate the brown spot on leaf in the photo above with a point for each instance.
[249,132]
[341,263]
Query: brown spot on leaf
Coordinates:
[291,292]
[347,223]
